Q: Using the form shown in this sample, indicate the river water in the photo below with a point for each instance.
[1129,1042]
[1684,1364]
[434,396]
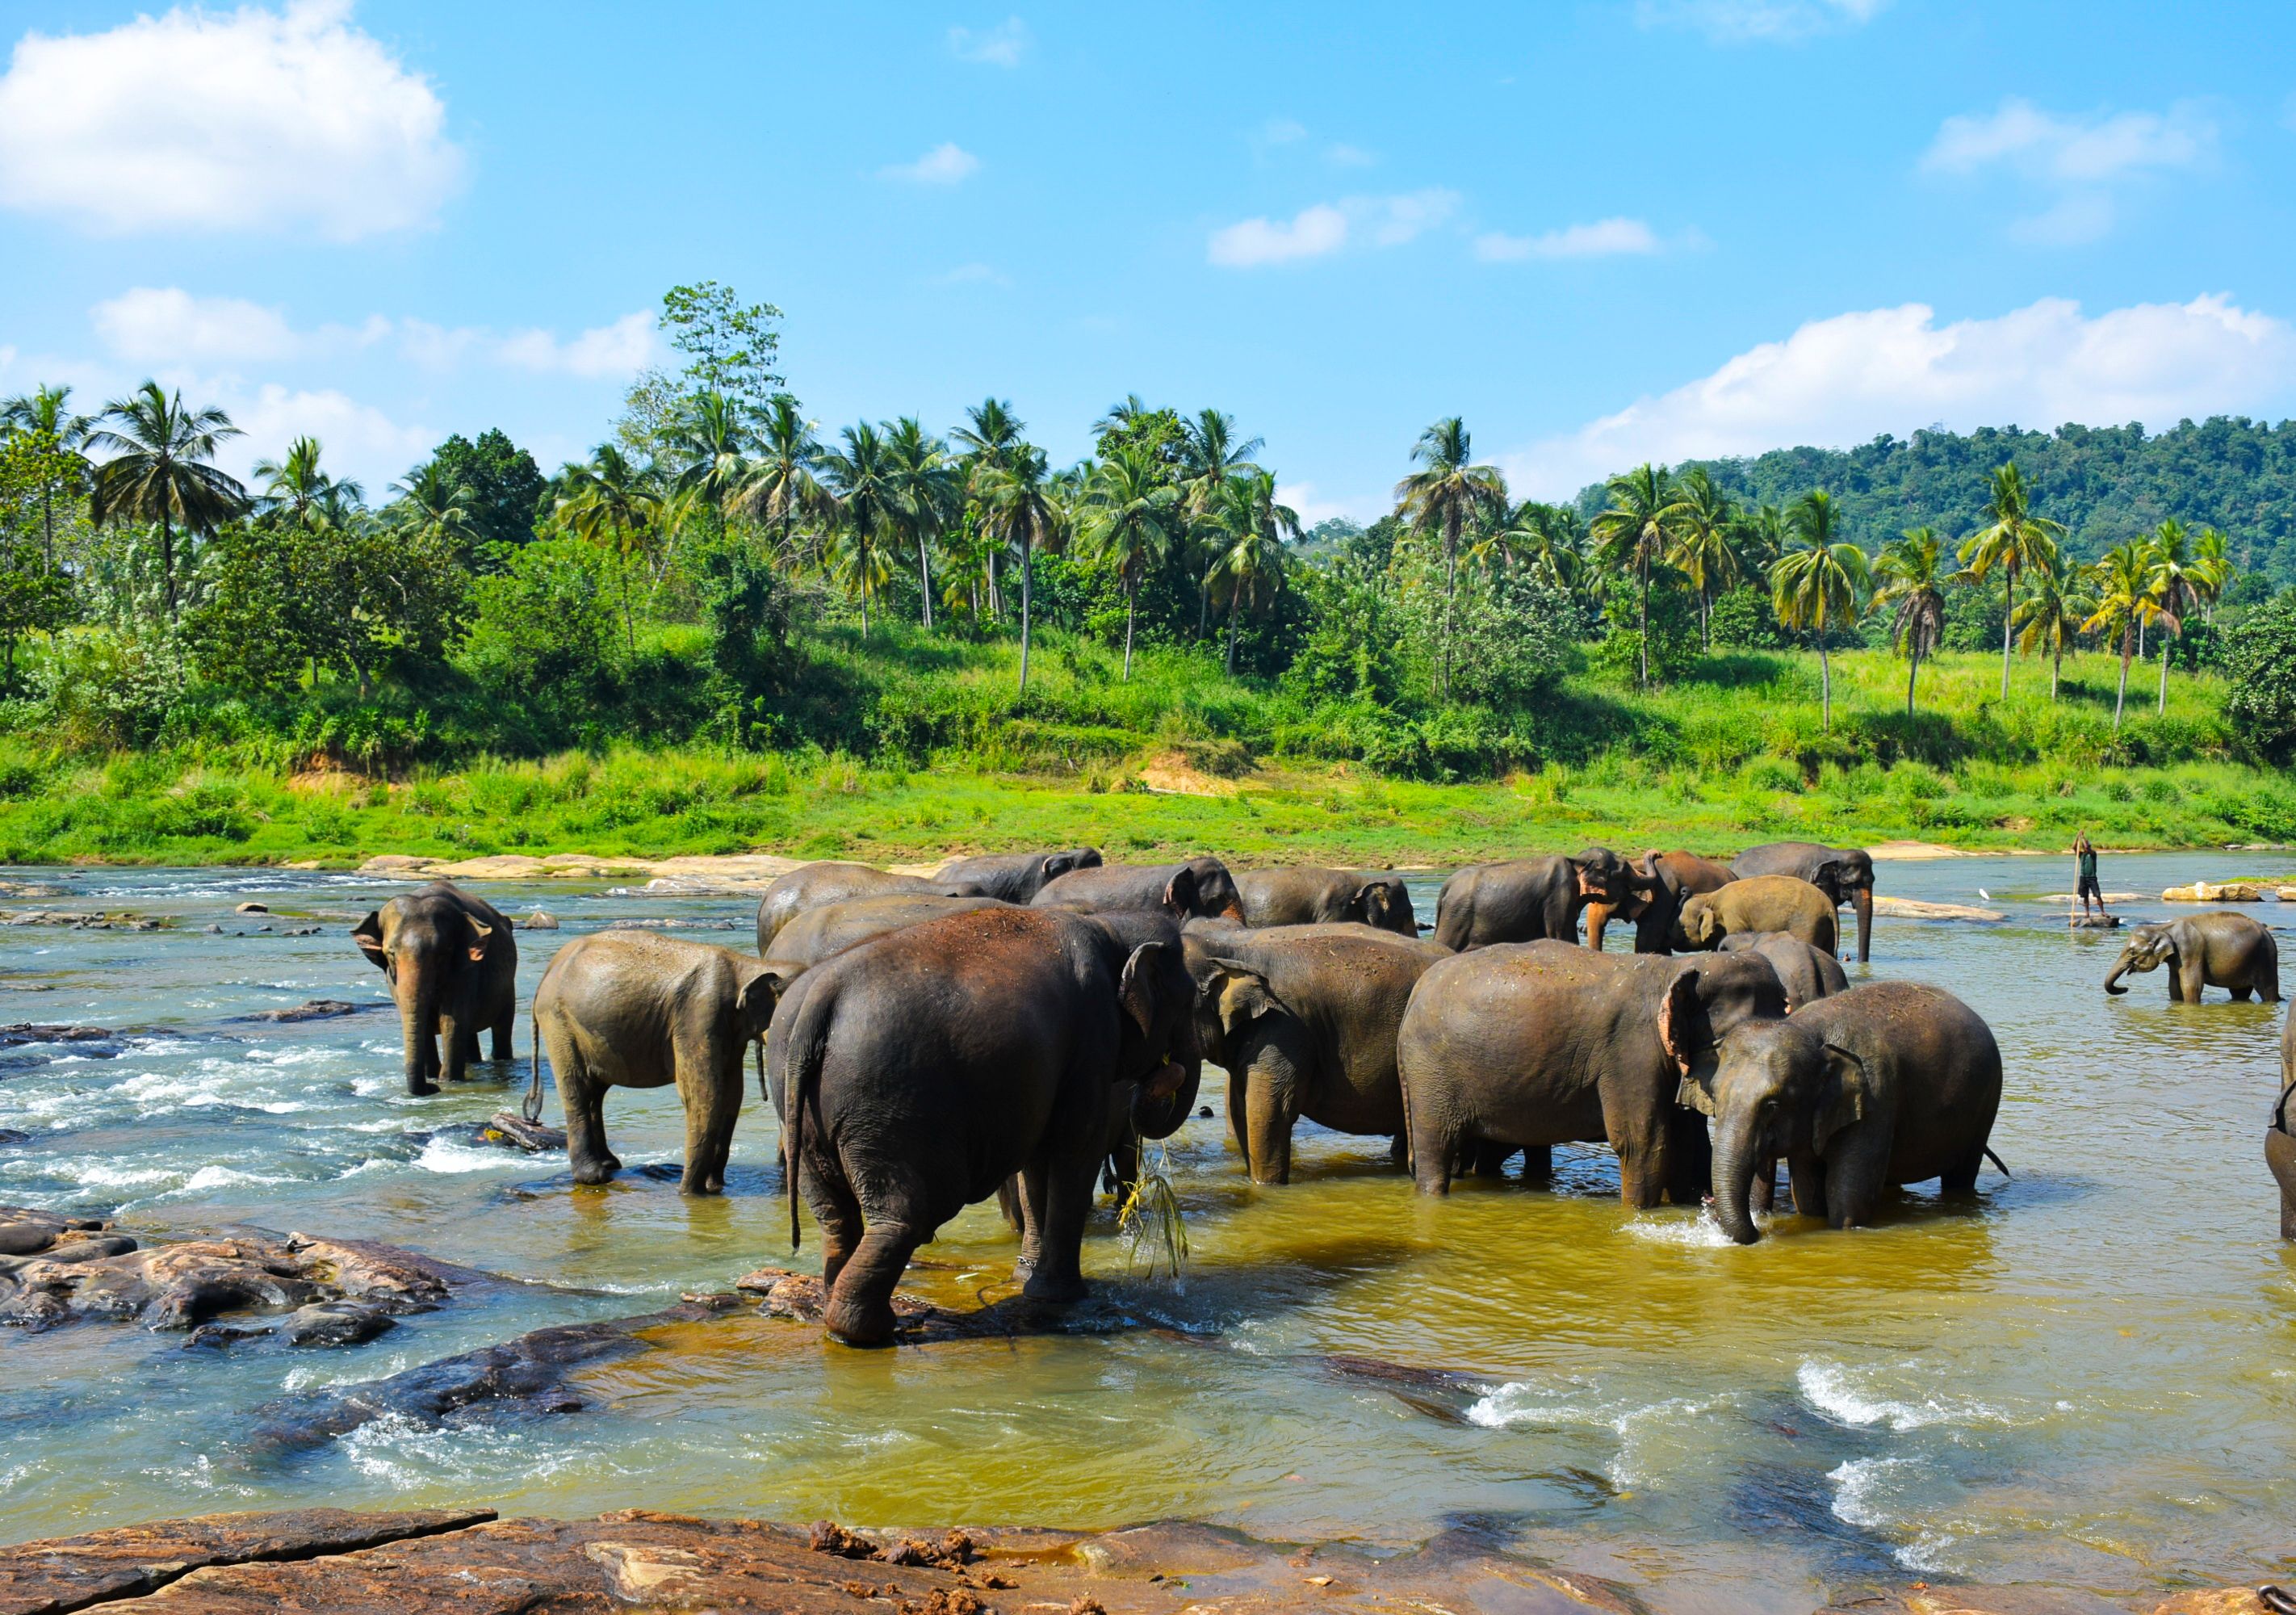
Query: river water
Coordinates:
[2088,1379]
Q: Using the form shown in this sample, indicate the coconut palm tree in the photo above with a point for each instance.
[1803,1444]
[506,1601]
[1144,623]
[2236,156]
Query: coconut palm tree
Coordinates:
[1211,453]
[712,441]
[1761,536]
[2212,570]
[300,487]
[2013,540]
[1446,495]
[781,485]
[1251,562]
[1126,519]
[1122,415]
[925,485]
[2177,578]
[2125,599]
[1912,584]
[433,508]
[159,471]
[1635,532]
[1547,539]
[45,415]
[1821,585]
[990,438]
[610,501]
[1019,508]
[864,480]
[1701,547]
[2049,616]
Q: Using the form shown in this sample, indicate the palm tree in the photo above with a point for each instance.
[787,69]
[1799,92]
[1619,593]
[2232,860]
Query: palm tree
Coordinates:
[781,485]
[432,509]
[609,502]
[2050,615]
[2212,570]
[1547,538]
[712,441]
[1255,526]
[1122,416]
[1126,519]
[1820,584]
[2013,540]
[1760,537]
[2177,578]
[1019,508]
[1635,532]
[159,472]
[1700,549]
[864,480]
[2125,599]
[1912,582]
[925,486]
[45,414]
[300,486]
[991,437]
[1211,453]
[1444,494]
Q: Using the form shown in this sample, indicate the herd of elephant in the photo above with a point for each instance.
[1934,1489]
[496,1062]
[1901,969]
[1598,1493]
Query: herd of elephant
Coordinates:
[1014,1026]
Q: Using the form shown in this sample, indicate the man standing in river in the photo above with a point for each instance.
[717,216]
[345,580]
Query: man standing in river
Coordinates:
[2085,885]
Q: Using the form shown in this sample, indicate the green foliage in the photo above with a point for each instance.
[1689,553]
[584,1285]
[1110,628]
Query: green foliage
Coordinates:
[1744,619]
[748,626]
[542,632]
[502,487]
[2259,664]
[731,348]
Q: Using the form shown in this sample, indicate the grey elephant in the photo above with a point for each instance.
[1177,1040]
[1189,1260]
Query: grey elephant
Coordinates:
[819,933]
[1016,876]
[1307,896]
[1668,878]
[1891,1082]
[452,961]
[917,1072]
[1530,899]
[1844,874]
[1807,974]
[1762,903]
[2279,1142]
[2218,949]
[1303,1019]
[633,1010]
[1538,1043]
[1199,888]
[816,884]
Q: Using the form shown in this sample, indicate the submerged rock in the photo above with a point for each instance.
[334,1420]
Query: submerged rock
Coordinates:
[512,1130]
[539,920]
[314,1009]
[25,1231]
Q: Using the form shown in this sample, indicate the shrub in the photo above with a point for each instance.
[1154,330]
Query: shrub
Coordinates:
[2259,663]
[1745,619]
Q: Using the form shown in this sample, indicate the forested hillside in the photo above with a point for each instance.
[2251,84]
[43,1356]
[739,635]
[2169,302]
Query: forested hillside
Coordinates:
[2106,483]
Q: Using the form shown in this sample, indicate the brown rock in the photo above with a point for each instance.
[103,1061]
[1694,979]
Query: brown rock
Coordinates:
[2220,1601]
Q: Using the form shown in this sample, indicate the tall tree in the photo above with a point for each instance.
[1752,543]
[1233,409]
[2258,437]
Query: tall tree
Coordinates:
[2125,599]
[1211,453]
[1910,568]
[432,507]
[159,471]
[926,484]
[507,493]
[1635,533]
[1702,548]
[1446,494]
[2048,617]
[1017,505]
[44,415]
[298,487]
[730,347]
[862,479]
[2212,570]
[1127,520]
[713,442]
[990,438]
[1821,584]
[1251,563]
[611,503]
[2178,577]
[1549,540]
[781,485]
[2013,540]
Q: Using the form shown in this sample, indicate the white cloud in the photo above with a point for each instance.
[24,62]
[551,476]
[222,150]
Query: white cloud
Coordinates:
[1341,155]
[1312,508]
[1736,21]
[1282,132]
[358,439]
[1379,221]
[2071,151]
[1002,46]
[945,164]
[1605,238]
[622,348]
[168,325]
[200,120]
[1843,379]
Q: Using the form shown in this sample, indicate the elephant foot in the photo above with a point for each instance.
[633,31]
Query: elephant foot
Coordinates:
[1058,1290]
[852,1323]
[690,1185]
[422,1086]
[592,1173]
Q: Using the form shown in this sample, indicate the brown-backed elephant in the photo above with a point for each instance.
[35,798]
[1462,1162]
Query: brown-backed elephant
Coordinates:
[1303,1019]
[1844,874]
[816,884]
[1785,903]
[633,1010]
[917,1071]
[1807,974]
[1656,909]
[1326,897]
[1199,888]
[1891,1082]
[1530,899]
[1537,1043]
[1016,876]
[452,961]
[2217,949]
[833,928]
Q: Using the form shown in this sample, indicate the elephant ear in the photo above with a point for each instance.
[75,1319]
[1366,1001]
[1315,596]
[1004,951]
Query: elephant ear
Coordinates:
[481,934]
[1842,1101]
[1692,1094]
[1180,892]
[761,995]
[368,934]
[1681,1021]
[1137,989]
[1059,863]
[1240,994]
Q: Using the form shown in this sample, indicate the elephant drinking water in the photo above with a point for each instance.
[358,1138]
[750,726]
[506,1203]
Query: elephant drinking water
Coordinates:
[2219,950]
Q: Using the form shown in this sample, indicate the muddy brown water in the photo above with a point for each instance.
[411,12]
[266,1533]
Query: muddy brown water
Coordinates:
[2087,1378]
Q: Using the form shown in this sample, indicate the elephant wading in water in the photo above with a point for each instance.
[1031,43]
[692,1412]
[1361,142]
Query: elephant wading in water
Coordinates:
[1668,878]
[917,1072]
[1807,974]
[1325,896]
[1844,874]
[819,933]
[1303,1019]
[1199,888]
[1527,899]
[1544,1042]
[816,885]
[1781,902]
[1888,1083]
[631,1010]
[2219,950]
[1016,876]
[2279,1142]
[452,965]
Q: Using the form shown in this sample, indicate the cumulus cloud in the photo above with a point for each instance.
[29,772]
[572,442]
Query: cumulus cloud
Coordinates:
[1002,46]
[945,164]
[1843,379]
[358,439]
[623,347]
[1736,22]
[2082,160]
[1605,238]
[198,120]
[1378,221]
[168,325]
[1311,506]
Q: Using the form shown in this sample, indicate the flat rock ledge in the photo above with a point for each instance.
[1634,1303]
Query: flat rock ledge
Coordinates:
[470,1562]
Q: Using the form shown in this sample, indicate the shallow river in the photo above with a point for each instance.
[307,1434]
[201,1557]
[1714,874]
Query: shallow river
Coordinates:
[2089,1379]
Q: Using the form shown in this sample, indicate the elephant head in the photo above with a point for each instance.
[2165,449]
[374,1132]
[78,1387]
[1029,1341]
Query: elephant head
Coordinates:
[1656,907]
[2148,949]
[1230,998]
[1848,877]
[1382,901]
[1058,864]
[418,945]
[1775,1088]
[1158,1050]
[1606,877]
[1701,922]
[1208,890]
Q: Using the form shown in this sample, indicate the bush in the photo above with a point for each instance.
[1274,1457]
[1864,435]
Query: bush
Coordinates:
[1745,619]
[1512,642]
[544,629]
[2259,664]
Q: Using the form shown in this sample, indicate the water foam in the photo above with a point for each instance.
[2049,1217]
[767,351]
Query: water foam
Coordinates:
[1849,1396]
[448,1156]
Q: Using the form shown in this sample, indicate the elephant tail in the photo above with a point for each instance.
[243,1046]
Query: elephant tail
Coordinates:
[531,1106]
[1998,1161]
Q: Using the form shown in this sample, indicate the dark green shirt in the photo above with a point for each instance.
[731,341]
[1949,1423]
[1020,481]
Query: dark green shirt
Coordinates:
[2088,862]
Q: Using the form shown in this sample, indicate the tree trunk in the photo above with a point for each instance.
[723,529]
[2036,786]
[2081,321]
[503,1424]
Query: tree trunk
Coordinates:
[2056,672]
[1025,600]
[1131,600]
[1912,674]
[1824,683]
[1642,576]
[2008,610]
[925,579]
[1450,595]
[2127,637]
[2141,626]
[2164,674]
[1235,609]
[167,563]
[629,623]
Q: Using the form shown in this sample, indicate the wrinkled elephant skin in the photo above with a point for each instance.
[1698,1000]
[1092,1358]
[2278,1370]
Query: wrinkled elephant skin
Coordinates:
[1304,896]
[1199,888]
[452,961]
[1530,899]
[1016,877]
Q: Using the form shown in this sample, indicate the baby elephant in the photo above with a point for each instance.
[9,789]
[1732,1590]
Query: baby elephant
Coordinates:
[2219,949]
[1888,1083]
[633,1010]
[1783,903]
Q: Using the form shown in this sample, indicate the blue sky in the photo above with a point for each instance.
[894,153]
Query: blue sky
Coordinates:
[1601,232]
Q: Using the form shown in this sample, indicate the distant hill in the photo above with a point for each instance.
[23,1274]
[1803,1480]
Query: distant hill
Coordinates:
[2106,483]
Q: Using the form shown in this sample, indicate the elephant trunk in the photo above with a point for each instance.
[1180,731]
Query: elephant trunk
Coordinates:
[1734,1181]
[2112,982]
[418,992]
[1156,1115]
[1862,900]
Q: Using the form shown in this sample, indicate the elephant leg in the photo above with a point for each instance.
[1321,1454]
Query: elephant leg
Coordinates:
[1598,918]
[1644,1166]
[1068,1201]
[1539,1164]
[1807,1175]
[1854,1175]
[2240,995]
[1008,1202]
[1121,1173]
[1238,1109]
[1028,1183]
[712,1099]
[860,1309]
[2267,981]
[1270,1111]
[1689,1159]
[503,1019]
[458,1044]
[584,1101]
[1485,1158]
[1398,1149]
[1961,1177]
[2178,993]
[838,1215]
[1764,1195]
